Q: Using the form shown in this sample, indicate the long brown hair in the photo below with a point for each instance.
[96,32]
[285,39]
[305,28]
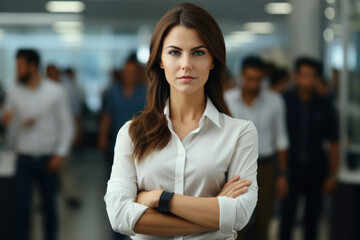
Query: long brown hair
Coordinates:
[149,131]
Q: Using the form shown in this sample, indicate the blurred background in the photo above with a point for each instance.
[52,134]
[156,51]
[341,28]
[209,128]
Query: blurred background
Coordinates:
[93,39]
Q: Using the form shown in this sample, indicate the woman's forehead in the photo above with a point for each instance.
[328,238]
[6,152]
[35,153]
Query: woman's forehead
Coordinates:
[183,37]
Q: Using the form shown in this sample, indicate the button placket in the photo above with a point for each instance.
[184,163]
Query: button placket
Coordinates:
[179,174]
[179,169]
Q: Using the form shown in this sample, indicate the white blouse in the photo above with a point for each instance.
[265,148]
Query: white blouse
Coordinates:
[220,148]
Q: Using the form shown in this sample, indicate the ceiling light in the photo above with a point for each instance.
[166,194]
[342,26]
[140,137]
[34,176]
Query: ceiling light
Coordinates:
[36,18]
[330,1]
[72,38]
[65,6]
[259,27]
[328,35]
[68,27]
[239,38]
[329,13]
[278,8]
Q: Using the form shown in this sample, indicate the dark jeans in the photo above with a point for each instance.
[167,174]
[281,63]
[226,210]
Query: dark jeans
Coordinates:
[29,170]
[307,179]
[257,228]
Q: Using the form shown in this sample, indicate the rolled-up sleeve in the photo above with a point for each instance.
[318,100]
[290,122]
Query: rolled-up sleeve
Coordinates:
[236,212]
[121,193]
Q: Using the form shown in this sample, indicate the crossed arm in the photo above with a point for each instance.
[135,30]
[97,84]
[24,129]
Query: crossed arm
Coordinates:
[189,214]
[132,212]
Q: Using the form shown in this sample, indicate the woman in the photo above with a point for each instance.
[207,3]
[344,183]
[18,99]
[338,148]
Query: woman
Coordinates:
[185,142]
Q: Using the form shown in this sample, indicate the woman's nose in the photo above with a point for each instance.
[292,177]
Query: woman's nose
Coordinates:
[186,62]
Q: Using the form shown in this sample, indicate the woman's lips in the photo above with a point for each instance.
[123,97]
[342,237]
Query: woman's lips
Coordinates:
[186,78]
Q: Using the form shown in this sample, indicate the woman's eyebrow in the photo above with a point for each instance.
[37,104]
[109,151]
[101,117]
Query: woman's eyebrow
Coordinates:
[202,46]
[171,46]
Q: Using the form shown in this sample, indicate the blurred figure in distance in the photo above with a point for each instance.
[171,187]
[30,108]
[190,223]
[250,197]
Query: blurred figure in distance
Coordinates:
[279,80]
[43,138]
[122,100]
[311,122]
[265,109]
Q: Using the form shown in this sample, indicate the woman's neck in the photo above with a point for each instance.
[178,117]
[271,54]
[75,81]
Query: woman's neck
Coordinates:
[185,108]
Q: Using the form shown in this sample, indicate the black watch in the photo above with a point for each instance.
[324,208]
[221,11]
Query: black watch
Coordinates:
[164,201]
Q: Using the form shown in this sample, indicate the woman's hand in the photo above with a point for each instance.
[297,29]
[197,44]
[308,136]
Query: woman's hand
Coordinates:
[234,187]
[149,199]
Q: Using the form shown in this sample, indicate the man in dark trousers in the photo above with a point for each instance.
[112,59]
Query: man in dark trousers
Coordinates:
[43,136]
[314,148]
[265,109]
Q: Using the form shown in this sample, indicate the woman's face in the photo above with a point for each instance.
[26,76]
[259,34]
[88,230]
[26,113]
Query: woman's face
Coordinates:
[186,60]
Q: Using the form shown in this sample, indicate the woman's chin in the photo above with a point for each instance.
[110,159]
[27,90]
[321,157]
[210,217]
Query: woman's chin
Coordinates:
[189,90]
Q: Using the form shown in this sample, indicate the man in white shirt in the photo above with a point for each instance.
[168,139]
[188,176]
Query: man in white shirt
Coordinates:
[44,132]
[266,110]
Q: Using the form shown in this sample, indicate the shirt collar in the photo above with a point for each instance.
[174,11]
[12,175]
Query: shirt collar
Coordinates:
[210,112]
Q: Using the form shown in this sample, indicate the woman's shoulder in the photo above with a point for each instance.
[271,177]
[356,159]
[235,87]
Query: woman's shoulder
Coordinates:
[125,127]
[124,130]
[236,123]
[123,139]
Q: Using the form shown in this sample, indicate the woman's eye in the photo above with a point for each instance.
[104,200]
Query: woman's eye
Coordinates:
[174,53]
[199,53]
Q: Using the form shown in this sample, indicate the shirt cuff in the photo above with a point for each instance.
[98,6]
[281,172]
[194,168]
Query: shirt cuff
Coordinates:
[227,214]
[136,210]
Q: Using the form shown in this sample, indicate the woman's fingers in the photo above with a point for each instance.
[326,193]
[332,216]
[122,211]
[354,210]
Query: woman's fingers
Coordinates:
[233,186]
[239,192]
[232,180]
[226,187]
[239,185]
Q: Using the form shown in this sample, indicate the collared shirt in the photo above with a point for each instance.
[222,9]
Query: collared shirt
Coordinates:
[122,108]
[53,128]
[217,150]
[267,113]
[309,125]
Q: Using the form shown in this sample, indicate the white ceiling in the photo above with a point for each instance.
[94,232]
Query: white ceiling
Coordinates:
[125,16]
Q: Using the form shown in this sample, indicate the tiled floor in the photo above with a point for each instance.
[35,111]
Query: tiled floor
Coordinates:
[90,221]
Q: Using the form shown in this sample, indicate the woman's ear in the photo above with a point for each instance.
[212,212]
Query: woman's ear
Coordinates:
[161,65]
[212,66]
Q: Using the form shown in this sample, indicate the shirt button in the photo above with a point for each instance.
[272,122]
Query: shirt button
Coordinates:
[179,180]
[181,154]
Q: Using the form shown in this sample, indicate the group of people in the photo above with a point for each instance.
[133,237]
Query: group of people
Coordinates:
[42,118]
[195,160]
[294,121]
